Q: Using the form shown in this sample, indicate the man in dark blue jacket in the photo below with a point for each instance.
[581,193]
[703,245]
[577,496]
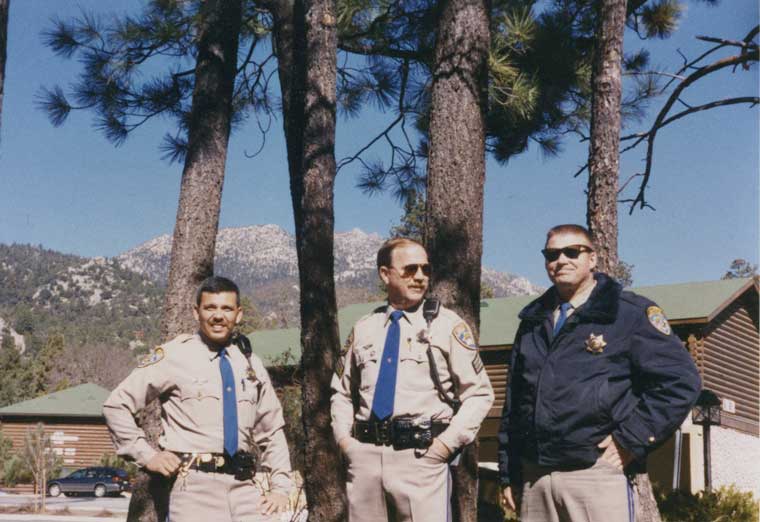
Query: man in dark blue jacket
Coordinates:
[598,380]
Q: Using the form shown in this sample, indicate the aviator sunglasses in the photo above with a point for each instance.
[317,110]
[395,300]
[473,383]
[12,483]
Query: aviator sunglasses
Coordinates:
[410,270]
[571,252]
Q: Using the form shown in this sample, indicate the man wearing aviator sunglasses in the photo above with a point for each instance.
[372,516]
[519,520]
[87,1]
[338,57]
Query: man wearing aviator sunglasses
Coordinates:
[409,391]
[597,381]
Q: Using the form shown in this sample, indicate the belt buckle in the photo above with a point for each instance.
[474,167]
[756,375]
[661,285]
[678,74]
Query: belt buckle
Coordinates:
[384,432]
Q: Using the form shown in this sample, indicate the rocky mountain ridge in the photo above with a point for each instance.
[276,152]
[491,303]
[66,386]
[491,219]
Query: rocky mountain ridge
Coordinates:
[257,256]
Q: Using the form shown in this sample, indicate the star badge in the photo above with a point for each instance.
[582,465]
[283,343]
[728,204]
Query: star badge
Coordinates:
[595,343]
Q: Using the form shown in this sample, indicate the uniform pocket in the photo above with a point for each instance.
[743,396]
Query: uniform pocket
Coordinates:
[201,401]
[367,363]
[246,394]
[414,371]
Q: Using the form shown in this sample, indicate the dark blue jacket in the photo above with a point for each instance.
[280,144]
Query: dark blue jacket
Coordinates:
[564,398]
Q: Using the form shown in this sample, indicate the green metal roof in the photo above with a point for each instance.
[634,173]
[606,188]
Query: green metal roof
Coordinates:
[693,300]
[85,400]
[499,321]
[270,345]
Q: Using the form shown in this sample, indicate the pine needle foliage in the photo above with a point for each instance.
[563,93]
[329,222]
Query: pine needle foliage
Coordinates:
[135,68]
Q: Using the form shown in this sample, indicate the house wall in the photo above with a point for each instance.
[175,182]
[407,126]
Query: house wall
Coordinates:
[730,363]
[79,442]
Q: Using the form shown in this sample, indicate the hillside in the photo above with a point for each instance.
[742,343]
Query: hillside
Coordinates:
[262,260]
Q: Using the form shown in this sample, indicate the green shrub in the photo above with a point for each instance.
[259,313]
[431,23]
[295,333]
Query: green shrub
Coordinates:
[15,471]
[290,398]
[726,504]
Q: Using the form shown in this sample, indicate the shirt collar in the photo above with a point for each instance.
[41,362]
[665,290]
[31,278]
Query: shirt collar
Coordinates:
[212,352]
[411,315]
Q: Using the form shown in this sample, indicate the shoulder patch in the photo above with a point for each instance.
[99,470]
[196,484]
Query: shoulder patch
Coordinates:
[657,317]
[152,358]
[463,335]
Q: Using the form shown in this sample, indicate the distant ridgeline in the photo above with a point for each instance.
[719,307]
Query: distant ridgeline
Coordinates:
[116,303]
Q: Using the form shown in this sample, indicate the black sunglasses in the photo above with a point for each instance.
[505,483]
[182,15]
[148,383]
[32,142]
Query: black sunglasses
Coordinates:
[411,270]
[571,252]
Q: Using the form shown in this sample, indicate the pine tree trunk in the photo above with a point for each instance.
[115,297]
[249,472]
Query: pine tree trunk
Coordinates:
[306,46]
[456,175]
[646,505]
[192,258]
[4,8]
[604,164]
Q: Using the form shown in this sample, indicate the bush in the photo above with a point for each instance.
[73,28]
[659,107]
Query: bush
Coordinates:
[726,504]
[290,398]
[15,471]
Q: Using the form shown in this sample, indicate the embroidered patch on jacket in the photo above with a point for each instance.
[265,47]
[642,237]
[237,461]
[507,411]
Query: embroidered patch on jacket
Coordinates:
[463,334]
[595,343]
[477,363]
[152,358]
[657,317]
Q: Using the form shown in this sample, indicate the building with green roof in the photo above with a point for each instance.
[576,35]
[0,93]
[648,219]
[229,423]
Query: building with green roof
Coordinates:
[716,320]
[72,417]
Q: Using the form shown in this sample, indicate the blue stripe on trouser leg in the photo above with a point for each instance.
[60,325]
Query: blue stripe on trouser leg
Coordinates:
[631,506]
[448,494]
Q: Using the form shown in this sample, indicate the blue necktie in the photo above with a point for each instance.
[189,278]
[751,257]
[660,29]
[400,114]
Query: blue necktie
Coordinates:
[229,404]
[563,308]
[385,389]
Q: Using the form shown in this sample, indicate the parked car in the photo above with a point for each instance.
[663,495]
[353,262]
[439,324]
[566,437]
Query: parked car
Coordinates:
[94,481]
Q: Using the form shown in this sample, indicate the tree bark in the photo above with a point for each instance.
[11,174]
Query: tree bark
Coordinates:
[192,258]
[456,175]
[604,158]
[5,6]
[604,166]
[306,47]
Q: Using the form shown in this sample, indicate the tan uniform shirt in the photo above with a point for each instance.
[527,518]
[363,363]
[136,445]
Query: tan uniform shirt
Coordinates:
[456,356]
[185,374]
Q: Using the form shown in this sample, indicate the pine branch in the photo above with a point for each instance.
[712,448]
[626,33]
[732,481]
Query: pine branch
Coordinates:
[662,115]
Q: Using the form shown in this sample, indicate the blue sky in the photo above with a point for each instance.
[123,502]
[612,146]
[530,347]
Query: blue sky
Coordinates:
[71,190]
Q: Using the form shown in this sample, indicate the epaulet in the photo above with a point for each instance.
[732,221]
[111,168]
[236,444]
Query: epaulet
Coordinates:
[449,315]
[635,299]
[378,310]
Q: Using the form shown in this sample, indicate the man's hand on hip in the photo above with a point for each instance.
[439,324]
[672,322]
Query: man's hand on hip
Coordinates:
[507,498]
[274,502]
[439,451]
[166,463]
[614,453]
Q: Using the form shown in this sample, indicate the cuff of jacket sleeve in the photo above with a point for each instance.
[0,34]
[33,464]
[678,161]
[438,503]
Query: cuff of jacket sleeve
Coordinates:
[635,436]
[452,441]
[282,483]
[340,432]
[143,452]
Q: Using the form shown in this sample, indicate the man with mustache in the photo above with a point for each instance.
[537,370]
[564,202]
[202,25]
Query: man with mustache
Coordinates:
[219,416]
[598,380]
[408,394]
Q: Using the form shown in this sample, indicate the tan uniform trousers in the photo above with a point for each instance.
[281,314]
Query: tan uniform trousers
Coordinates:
[387,485]
[600,493]
[217,497]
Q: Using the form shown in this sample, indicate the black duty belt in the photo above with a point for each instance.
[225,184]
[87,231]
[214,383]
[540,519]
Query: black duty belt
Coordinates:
[399,432]
[242,464]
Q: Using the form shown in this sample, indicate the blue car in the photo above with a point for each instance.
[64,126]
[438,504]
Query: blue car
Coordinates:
[90,481]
